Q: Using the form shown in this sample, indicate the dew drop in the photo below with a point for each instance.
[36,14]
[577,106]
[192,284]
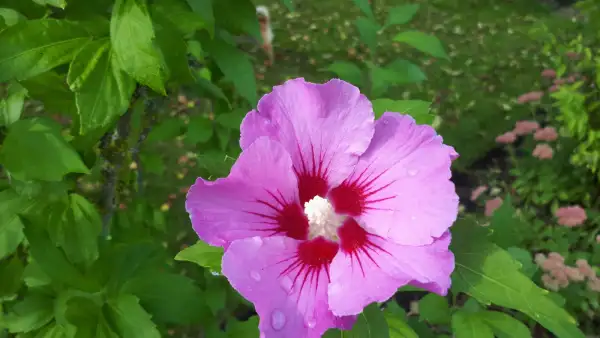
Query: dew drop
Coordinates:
[277,320]
[311,322]
[255,275]
[257,241]
[262,335]
[413,172]
[287,284]
[413,218]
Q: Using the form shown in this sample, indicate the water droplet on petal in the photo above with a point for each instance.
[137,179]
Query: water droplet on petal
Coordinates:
[255,275]
[215,273]
[262,335]
[311,322]
[413,172]
[413,218]
[287,284]
[257,241]
[277,320]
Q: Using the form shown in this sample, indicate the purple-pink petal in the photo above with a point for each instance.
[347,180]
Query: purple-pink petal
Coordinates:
[402,183]
[324,128]
[375,275]
[256,268]
[246,203]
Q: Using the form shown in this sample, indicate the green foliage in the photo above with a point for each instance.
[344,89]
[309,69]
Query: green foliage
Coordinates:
[202,254]
[423,42]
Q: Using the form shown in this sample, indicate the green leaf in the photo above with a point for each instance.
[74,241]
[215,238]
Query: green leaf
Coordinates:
[289,4]
[232,120]
[380,80]
[75,226]
[346,71]
[367,29]
[528,266]
[11,271]
[419,110]
[202,254]
[236,67]
[469,325]
[204,86]
[504,325]
[169,297]
[177,14]
[55,3]
[405,72]
[30,314]
[399,15]
[424,42]
[11,17]
[34,275]
[205,10]
[132,37]
[53,91]
[33,47]
[398,327]
[166,130]
[11,228]
[200,130]
[246,329]
[131,318]
[174,50]
[49,156]
[365,7]
[434,309]
[505,226]
[52,261]
[370,323]
[102,90]
[242,20]
[489,274]
[12,107]
[153,163]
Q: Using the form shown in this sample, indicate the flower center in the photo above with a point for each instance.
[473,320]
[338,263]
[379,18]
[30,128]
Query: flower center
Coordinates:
[322,219]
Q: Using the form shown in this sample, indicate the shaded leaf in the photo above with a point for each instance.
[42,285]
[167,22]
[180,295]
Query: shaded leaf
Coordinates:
[177,14]
[506,226]
[346,71]
[236,67]
[200,130]
[246,329]
[30,314]
[166,130]
[131,318]
[370,323]
[205,10]
[174,50]
[242,20]
[365,7]
[32,47]
[404,72]
[11,271]
[52,90]
[367,29]
[399,328]
[132,35]
[231,120]
[402,14]
[49,156]
[528,266]
[169,297]
[424,42]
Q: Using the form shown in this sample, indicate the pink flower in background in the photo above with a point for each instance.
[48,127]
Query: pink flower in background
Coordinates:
[585,268]
[546,134]
[549,73]
[478,191]
[550,283]
[507,138]
[594,284]
[559,82]
[492,205]
[571,216]
[572,55]
[525,127]
[530,97]
[326,210]
[543,151]
[554,88]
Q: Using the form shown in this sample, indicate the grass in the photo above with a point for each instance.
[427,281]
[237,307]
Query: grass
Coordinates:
[493,59]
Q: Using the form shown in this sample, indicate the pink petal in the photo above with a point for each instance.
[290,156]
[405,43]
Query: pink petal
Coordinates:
[255,266]
[375,273]
[251,201]
[324,127]
[401,185]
